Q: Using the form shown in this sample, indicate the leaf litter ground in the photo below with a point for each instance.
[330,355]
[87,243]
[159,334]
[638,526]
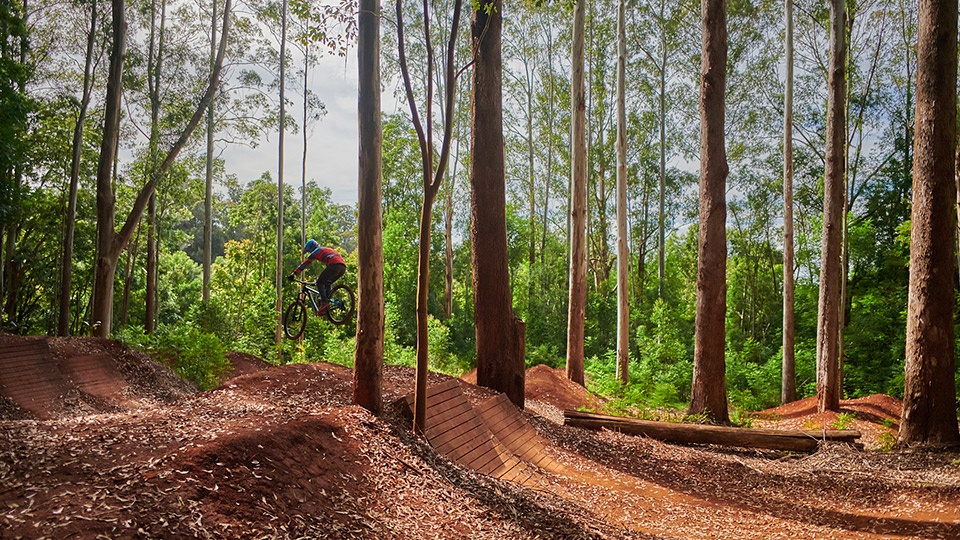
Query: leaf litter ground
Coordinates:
[279,452]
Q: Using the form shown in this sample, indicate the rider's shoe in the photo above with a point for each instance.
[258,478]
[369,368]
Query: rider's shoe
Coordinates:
[322,310]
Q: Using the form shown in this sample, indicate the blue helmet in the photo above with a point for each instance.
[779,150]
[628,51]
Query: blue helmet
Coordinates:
[310,246]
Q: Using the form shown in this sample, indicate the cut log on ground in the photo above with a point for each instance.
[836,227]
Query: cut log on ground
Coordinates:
[771,439]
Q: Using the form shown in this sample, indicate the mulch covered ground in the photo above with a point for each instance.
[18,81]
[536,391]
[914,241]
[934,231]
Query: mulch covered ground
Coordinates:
[279,452]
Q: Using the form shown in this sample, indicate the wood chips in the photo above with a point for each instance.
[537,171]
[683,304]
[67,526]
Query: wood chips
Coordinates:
[281,453]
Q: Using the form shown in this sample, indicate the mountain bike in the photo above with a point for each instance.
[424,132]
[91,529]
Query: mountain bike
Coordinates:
[308,301]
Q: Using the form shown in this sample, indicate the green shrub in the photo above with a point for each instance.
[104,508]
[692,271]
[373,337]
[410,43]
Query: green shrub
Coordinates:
[544,353]
[843,421]
[340,351]
[195,355]
[887,440]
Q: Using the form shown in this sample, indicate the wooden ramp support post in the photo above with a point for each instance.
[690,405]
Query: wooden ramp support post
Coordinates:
[771,439]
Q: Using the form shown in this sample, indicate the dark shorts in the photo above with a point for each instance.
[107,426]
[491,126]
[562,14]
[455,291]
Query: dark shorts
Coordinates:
[327,277]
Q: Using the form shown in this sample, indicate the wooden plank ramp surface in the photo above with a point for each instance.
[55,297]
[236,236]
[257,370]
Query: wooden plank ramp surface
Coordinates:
[95,374]
[771,439]
[30,378]
[502,418]
[454,428]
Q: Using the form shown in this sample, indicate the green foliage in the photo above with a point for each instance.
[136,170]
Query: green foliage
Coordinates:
[665,367]
[741,419]
[843,420]
[545,354]
[442,358]
[887,441]
[337,351]
[752,385]
[195,355]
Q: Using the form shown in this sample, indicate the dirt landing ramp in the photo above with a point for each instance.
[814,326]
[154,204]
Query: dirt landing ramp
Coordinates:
[38,384]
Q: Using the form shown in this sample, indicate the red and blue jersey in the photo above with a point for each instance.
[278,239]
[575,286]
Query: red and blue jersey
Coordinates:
[325,255]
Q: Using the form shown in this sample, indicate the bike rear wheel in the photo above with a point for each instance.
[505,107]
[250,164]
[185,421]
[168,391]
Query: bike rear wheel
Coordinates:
[341,304]
[295,319]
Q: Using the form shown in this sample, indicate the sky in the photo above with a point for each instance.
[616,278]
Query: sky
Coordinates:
[332,143]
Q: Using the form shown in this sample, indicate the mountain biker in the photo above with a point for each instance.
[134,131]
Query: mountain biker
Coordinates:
[334,270]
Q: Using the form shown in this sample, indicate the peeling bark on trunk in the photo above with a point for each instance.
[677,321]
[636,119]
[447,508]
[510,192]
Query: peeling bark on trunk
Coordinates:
[788,380]
[500,334]
[709,389]
[368,355]
[929,400]
[830,303]
[578,205]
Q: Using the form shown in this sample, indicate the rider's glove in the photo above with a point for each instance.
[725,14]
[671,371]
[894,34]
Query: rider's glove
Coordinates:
[291,277]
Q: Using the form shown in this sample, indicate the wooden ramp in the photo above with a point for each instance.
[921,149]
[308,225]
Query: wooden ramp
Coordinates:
[29,377]
[471,437]
[95,374]
[502,418]
[33,380]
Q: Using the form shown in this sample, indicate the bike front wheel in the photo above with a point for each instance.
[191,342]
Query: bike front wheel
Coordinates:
[295,319]
[341,304]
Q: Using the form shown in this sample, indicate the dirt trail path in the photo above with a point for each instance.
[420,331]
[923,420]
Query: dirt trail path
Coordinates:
[278,452]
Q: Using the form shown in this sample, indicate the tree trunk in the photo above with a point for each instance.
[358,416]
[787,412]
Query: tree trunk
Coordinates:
[278,334]
[107,252]
[578,204]
[132,253]
[423,297]
[431,180]
[929,400]
[154,78]
[830,303]
[551,102]
[661,248]
[110,243]
[623,255]
[499,334]
[303,155]
[149,323]
[531,180]
[66,268]
[708,394]
[448,250]
[208,179]
[368,355]
[788,381]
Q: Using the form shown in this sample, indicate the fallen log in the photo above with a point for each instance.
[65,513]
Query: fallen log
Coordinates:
[771,439]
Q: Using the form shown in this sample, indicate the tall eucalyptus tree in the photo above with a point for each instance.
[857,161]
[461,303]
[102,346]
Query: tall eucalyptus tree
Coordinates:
[929,406]
[578,206]
[829,306]
[623,268]
[708,394]
[500,334]
[156,54]
[788,386]
[278,336]
[368,355]
[432,175]
[208,164]
[110,243]
[66,266]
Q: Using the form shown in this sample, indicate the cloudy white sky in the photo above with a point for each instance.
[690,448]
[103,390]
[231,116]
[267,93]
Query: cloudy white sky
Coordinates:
[332,144]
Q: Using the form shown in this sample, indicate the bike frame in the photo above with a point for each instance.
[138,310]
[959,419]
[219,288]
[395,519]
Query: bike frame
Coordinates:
[306,291]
